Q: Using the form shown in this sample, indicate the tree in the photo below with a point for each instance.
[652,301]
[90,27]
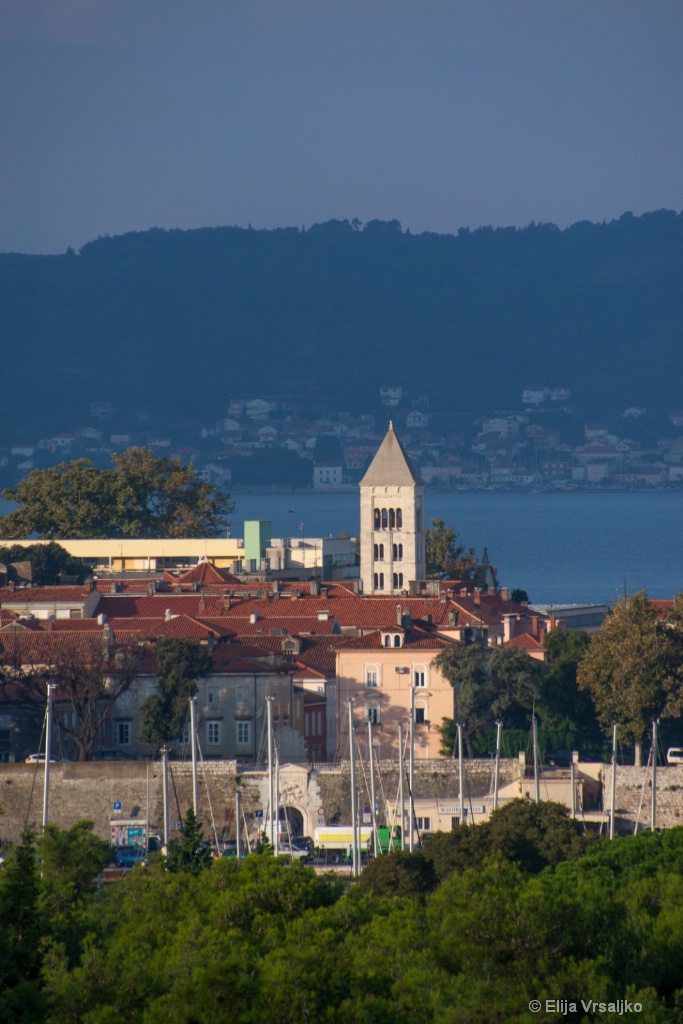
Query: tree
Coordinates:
[143,496]
[191,853]
[567,713]
[487,684]
[633,669]
[180,663]
[90,677]
[444,557]
[47,561]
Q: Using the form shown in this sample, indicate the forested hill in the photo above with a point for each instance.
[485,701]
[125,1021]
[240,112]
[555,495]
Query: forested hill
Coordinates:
[181,320]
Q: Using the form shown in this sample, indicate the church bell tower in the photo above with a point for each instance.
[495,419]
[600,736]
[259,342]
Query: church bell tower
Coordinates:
[392,541]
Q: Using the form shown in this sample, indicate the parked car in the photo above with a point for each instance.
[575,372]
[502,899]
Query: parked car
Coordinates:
[674,755]
[292,852]
[40,759]
[129,856]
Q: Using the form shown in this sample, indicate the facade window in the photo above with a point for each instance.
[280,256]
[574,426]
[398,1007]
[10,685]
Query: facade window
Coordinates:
[242,694]
[372,714]
[376,578]
[397,640]
[399,519]
[213,733]
[381,552]
[423,824]
[398,581]
[398,552]
[420,715]
[375,551]
[387,640]
[123,733]
[213,696]
[392,519]
[381,581]
[372,677]
[384,519]
[243,732]
[376,519]
[419,676]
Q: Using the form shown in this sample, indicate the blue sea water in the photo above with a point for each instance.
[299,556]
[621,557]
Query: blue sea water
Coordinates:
[562,548]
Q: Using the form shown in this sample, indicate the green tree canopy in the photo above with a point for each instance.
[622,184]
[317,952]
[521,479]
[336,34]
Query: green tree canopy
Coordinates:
[444,556]
[47,563]
[488,683]
[142,496]
[180,663]
[633,668]
[191,853]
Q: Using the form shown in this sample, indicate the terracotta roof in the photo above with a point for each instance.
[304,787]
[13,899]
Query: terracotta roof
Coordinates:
[525,642]
[205,573]
[42,595]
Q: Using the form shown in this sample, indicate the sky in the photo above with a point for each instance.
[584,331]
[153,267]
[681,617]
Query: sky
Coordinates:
[122,115]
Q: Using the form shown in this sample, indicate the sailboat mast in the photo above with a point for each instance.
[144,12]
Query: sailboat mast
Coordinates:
[373,814]
[164,762]
[496,773]
[613,800]
[354,810]
[653,825]
[271,783]
[193,741]
[48,749]
[461,776]
[401,785]
[411,772]
[537,784]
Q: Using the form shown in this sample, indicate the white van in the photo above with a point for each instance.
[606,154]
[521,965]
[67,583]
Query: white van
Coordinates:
[674,755]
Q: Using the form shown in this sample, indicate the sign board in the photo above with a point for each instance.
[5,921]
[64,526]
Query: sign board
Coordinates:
[117,805]
[258,814]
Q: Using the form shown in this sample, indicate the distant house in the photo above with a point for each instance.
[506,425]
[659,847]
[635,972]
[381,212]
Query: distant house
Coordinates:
[535,396]
[327,474]
[391,394]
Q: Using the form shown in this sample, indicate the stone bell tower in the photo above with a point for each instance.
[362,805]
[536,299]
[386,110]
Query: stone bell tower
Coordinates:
[392,540]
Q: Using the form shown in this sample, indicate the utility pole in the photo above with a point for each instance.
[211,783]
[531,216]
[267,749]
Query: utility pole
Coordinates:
[373,815]
[271,781]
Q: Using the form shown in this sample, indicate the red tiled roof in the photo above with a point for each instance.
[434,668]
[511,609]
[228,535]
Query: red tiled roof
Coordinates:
[525,642]
[42,595]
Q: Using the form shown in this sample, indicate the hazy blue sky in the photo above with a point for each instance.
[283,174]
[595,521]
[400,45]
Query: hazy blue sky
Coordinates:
[119,115]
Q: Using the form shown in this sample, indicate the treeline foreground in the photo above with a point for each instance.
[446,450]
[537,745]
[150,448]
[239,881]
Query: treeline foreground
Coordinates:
[473,928]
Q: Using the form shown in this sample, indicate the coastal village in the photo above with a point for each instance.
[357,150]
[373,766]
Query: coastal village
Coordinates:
[314,626]
[543,443]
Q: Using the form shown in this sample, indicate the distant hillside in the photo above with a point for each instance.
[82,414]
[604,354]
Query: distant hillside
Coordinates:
[176,322]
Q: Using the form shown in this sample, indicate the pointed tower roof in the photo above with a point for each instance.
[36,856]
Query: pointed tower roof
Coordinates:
[391,465]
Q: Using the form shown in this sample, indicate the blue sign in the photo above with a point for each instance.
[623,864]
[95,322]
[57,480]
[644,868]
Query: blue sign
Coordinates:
[258,814]
[117,805]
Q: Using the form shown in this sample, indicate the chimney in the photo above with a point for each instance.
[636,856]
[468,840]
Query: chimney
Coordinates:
[534,626]
[508,627]
[477,596]
[504,594]
[101,618]
[168,615]
[276,586]
[114,587]
[253,617]
[314,588]
[202,603]
[399,615]
[151,589]
[407,620]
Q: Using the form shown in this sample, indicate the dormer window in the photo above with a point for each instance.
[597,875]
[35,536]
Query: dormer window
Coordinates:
[393,640]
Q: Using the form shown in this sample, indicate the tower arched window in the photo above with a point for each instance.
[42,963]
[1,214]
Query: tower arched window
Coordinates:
[376,581]
[399,519]
[381,581]
[375,551]
[392,519]
[384,519]
[395,579]
[400,553]
[376,520]
[400,581]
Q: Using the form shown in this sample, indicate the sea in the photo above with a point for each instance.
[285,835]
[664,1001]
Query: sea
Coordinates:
[576,547]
